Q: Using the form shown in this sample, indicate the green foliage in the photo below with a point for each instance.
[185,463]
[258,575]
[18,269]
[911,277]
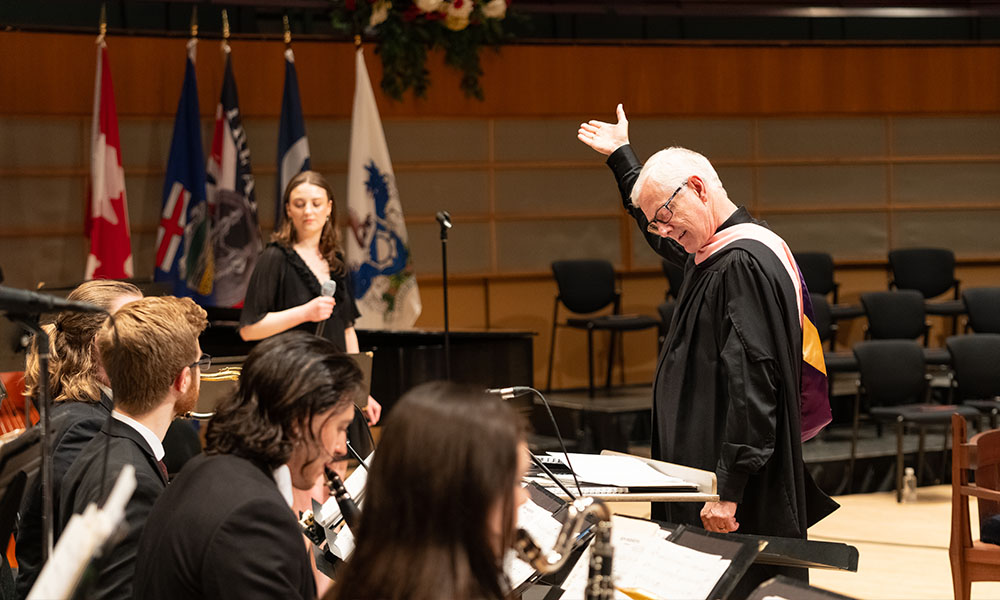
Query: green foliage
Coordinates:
[406,35]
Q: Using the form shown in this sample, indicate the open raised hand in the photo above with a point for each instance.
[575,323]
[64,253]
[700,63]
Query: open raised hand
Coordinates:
[605,137]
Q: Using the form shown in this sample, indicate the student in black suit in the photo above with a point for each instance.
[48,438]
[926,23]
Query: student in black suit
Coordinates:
[152,358]
[441,501]
[224,528]
[81,396]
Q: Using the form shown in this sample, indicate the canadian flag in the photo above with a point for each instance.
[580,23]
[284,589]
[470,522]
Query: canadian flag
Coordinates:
[107,212]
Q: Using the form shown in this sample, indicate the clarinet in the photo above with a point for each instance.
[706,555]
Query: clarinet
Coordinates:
[348,508]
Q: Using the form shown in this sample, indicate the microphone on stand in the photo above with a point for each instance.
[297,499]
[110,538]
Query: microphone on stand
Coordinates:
[444,219]
[329,287]
[520,390]
[32,303]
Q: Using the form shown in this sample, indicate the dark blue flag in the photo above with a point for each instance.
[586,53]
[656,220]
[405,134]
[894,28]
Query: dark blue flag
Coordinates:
[293,147]
[183,247]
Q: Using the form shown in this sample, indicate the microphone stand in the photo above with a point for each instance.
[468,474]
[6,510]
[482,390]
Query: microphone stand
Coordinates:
[445,220]
[43,403]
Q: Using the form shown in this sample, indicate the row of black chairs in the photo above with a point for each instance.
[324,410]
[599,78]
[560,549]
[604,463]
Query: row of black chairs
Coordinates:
[894,386]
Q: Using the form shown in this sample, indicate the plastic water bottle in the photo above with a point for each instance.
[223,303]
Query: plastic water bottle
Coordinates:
[909,485]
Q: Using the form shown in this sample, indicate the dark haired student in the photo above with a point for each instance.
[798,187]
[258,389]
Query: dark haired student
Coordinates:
[225,528]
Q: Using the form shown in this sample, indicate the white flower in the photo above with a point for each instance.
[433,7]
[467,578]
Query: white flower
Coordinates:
[429,5]
[460,9]
[495,9]
[380,12]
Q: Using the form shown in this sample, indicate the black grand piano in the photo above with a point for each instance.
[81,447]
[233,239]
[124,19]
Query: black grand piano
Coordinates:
[404,359]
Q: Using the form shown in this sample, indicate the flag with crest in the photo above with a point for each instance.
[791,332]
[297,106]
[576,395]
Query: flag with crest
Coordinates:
[183,241]
[378,251]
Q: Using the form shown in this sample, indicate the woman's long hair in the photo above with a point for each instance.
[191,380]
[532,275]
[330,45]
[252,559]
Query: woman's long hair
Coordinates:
[286,381]
[329,241]
[73,360]
[447,460]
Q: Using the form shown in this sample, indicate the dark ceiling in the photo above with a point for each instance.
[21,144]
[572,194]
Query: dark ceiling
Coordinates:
[970,21]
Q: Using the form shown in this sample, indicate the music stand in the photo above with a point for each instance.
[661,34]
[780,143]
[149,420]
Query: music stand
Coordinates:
[782,587]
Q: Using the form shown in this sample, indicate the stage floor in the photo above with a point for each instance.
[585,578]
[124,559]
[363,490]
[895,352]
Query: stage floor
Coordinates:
[903,548]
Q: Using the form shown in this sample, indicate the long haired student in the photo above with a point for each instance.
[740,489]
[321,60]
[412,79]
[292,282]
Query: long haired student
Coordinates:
[441,499]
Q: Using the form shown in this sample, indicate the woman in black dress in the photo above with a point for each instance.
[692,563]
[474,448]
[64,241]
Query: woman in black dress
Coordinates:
[285,290]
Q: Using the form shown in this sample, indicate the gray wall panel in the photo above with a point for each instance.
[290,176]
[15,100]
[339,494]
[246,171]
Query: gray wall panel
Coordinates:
[968,233]
[556,190]
[468,248]
[718,139]
[822,186]
[530,246]
[945,135]
[534,139]
[821,138]
[436,140]
[459,192]
[847,236]
[940,184]
[42,202]
[28,142]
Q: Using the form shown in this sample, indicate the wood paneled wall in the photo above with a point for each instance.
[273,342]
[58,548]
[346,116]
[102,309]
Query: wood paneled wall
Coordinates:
[521,80]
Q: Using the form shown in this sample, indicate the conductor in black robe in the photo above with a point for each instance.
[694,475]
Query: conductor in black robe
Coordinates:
[730,379]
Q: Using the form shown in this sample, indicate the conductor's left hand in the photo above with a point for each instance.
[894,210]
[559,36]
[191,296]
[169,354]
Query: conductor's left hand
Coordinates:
[373,411]
[719,516]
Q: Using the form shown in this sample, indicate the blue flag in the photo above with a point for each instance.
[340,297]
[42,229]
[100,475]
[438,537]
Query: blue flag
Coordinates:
[293,147]
[183,245]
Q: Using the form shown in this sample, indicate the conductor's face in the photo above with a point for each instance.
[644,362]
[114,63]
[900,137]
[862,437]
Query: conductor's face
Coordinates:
[681,214]
[308,207]
[329,440]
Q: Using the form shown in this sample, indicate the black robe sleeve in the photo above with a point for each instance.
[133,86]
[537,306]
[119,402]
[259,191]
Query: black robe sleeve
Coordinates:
[749,366]
[626,167]
[263,291]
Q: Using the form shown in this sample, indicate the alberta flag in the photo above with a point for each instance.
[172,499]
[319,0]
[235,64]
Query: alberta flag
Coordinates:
[107,214]
[378,252]
[235,230]
[183,241]
[293,147]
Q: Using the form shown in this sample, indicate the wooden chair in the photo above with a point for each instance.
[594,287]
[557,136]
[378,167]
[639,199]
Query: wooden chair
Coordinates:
[973,560]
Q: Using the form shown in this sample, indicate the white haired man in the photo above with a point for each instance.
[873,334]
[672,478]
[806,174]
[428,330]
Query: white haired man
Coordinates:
[740,381]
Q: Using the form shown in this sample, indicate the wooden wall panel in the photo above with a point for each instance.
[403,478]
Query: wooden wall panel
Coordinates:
[53,74]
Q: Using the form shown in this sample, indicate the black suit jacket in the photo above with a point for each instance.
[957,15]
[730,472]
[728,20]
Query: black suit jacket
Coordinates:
[91,478]
[222,530]
[74,424]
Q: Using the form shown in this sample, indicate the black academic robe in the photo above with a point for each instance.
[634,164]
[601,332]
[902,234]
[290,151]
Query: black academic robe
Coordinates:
[222,530]
[727,385]
[74,424]
[91,478]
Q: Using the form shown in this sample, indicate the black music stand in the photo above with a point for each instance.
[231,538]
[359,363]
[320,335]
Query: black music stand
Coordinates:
[786,587]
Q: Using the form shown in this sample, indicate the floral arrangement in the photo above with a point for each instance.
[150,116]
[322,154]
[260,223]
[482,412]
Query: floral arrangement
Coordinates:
[404,31]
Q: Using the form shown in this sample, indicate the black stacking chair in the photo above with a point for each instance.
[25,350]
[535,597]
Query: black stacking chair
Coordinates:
[586,287]
[930,271]
[836,362]
[983,306]
[817,270]
[896,387]
[975,365]
[900,315]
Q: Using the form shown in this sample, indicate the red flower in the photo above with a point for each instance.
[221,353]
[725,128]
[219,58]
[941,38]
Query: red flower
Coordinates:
[457,3]
[411,13]
[350,4]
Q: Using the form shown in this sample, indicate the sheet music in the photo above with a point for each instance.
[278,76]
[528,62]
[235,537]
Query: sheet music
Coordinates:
[644,560]
[623,471]
[544,529]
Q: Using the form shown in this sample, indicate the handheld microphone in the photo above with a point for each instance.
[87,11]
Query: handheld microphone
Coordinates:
[32,303]
[329,287]
[444,218]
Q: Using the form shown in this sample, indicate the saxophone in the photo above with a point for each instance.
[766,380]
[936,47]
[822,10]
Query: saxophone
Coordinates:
[600,582]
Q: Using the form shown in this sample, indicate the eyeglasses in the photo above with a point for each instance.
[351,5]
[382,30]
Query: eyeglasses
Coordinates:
[202,363]
[653,226]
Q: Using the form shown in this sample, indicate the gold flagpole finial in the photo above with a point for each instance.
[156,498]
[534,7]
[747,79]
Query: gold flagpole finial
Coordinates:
[288,30]
[357,40]
[194,21]
[225,25]
[102,27]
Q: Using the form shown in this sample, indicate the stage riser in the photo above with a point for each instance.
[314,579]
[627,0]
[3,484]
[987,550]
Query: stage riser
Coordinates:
[877,473]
